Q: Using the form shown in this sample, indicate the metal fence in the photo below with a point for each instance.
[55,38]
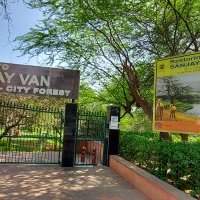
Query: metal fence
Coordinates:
[30,134]
[91,133]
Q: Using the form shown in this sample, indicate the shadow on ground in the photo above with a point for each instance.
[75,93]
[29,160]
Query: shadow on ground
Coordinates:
[27,182]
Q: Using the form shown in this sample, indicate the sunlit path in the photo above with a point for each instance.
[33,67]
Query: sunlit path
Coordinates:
[52,182]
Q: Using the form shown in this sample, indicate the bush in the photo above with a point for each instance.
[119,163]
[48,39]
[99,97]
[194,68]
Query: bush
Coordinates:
[175,162]
[139,122]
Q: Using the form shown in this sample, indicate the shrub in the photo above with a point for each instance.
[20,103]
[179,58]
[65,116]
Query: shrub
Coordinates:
[175,162]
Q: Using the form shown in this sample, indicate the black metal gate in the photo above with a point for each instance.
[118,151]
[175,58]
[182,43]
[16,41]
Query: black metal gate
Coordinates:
[30,134]
[91,141]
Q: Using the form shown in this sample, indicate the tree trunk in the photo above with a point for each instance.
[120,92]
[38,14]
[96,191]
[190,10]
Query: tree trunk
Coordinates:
[148,110]
[134,88]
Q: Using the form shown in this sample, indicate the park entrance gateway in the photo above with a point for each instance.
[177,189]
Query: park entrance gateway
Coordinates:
[91,143]
[32,134]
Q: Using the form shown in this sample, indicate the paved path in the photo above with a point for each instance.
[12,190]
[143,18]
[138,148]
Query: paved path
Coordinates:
[28,182]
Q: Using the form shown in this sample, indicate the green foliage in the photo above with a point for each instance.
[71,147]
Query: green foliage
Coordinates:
[137,122]
[115,91]
[111,39]
[31,143]
[175,162]
[88,97]
[146,73]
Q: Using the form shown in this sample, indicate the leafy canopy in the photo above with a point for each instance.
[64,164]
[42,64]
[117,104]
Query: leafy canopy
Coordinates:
[114,40]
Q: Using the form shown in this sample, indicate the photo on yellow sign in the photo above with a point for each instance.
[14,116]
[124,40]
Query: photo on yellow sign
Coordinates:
[177,94]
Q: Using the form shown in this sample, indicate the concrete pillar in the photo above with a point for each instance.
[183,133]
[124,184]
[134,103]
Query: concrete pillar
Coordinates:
[70,126]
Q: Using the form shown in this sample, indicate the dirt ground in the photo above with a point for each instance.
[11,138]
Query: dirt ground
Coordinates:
[51,182]
[182,122]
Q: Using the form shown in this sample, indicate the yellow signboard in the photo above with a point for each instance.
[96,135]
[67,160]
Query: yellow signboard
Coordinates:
[177,94]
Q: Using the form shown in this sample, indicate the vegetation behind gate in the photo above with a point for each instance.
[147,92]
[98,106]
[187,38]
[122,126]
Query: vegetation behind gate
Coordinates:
[178,163]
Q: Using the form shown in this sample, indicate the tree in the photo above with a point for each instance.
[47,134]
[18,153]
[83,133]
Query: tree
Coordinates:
[12,120]
[116,92]
[98,42]
[173,89]
[108,39]
[87,95]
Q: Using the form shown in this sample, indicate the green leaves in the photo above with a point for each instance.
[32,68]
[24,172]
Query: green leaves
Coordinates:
[178,163]
[109,39]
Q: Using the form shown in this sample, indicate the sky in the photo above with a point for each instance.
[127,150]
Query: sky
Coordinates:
[190,79]
[23,18]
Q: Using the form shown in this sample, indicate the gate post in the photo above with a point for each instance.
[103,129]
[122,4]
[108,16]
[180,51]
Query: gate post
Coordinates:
[113,118]
[70,123]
